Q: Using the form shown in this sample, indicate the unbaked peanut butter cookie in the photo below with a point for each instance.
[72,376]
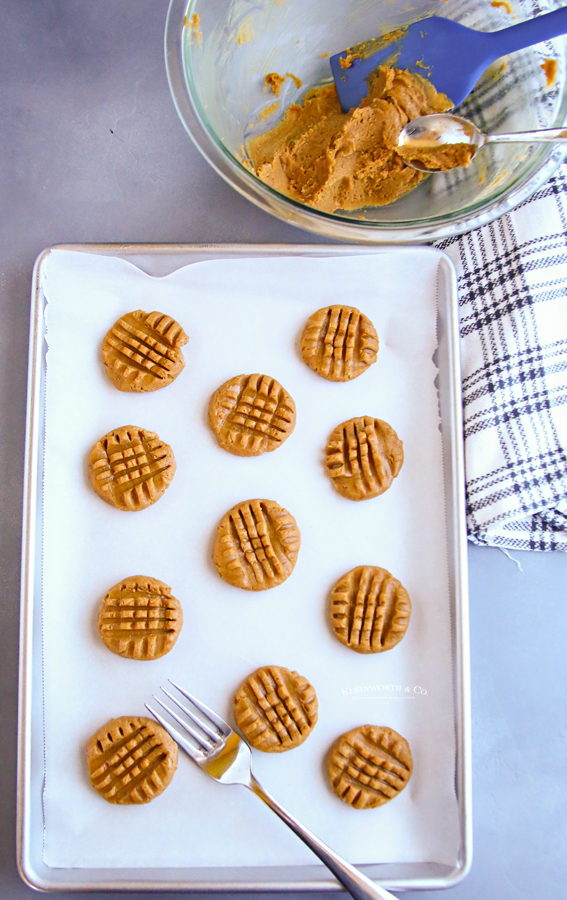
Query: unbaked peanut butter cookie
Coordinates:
[339,343]
[142,351]
[275,709]
[256,545]
[131,760]
[131,468]
[370,610]
[139,618]
[363,456]
[369,766]
[251,415]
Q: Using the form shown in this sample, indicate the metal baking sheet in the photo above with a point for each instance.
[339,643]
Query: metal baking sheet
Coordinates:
[160,260]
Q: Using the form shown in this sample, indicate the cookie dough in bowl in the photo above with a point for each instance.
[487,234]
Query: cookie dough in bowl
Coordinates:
[333,160]
[217,75]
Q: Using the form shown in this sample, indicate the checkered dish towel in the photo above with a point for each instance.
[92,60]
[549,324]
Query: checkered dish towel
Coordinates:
[513,314]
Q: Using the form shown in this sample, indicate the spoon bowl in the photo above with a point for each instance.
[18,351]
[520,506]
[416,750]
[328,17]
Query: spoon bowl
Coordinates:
[431,133]
[425,143]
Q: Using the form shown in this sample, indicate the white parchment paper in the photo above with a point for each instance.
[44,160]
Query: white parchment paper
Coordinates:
[245,315]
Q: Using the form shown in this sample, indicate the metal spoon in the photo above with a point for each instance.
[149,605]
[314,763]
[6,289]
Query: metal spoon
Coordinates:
[429,132]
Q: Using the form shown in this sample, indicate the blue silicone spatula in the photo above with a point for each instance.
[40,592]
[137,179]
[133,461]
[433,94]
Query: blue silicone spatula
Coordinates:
[449,55]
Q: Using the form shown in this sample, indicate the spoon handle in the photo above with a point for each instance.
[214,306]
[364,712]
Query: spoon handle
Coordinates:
[549,135]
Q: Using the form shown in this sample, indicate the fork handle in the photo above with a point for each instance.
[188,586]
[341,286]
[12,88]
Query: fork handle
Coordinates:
[353,881]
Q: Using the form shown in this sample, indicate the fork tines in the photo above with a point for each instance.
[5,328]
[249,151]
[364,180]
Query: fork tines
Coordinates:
[212,729]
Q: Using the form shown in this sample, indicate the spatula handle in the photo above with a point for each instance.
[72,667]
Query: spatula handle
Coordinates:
[540,28]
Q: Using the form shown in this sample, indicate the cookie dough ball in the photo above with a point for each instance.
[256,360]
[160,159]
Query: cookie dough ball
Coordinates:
[131,760]
[369,766]
[275,709]
[251,415]
[139,618]
[339,343]
[363,456]
[369,610]
[131,468]
[142,351]
[256,545]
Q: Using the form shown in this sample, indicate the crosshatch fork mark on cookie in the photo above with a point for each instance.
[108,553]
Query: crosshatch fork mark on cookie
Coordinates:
[251,414]
[363,456]
[130,468]
[256,545]
[142,351]
[369,766]
[131,760]
[339,343]
[140,619]
[370,609]
[275,709]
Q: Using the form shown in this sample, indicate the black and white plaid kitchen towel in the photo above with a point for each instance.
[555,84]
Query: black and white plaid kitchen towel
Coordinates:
[513,314]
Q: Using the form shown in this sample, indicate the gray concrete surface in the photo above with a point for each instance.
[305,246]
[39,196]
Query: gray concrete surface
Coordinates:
[91,150]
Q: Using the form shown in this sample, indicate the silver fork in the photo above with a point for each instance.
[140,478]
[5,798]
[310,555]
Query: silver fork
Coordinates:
[227,758]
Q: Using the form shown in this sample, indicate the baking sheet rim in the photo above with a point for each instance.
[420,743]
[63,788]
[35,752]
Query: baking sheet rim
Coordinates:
[456,551]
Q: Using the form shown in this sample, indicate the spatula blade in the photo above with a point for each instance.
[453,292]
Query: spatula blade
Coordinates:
[451,56]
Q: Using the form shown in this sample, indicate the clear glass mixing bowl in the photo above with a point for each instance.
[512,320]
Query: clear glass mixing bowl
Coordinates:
[219,51]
